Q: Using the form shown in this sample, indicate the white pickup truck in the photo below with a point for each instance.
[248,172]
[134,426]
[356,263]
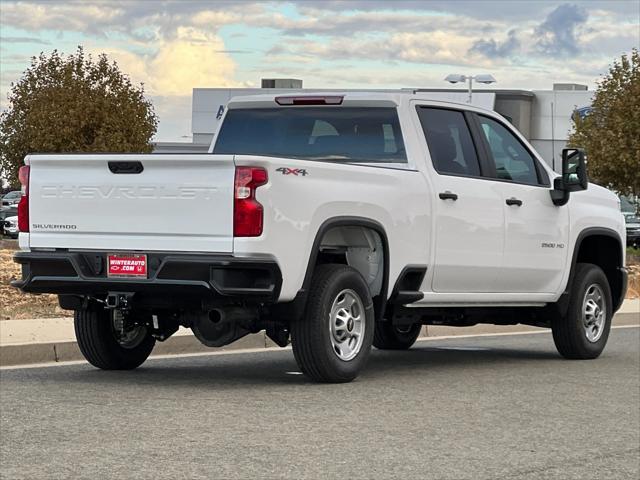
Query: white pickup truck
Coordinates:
[334,222]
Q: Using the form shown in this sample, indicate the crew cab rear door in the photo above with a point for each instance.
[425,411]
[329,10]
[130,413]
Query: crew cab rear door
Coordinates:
[469,218]
[160,202]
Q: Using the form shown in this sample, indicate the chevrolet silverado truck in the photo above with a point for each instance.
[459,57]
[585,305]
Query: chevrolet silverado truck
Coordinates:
[332,222]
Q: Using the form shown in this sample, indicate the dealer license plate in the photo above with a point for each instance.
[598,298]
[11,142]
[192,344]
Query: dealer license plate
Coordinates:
[127,266]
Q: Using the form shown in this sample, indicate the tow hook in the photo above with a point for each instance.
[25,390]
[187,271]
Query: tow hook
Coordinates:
[118,300]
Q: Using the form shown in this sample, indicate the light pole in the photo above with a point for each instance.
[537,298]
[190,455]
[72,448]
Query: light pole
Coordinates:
[456,78]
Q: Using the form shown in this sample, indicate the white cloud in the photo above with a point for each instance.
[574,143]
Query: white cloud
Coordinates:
[428,48]
[189,59]
[192,59]
[51,16]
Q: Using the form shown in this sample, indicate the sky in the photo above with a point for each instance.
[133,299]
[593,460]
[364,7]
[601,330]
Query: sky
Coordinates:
[175,46]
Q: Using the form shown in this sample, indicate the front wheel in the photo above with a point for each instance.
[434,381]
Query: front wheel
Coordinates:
[583,332]
[105,346]
[331,343]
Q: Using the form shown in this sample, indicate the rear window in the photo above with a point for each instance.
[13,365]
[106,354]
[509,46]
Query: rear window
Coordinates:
[340,134]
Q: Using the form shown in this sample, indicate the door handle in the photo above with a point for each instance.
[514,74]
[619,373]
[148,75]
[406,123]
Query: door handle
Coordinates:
[448,196]
[125,167]
[514,201]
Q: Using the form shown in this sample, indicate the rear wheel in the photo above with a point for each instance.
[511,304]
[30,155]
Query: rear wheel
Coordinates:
[106,345]
[583,332]
[395,337]
[331,343]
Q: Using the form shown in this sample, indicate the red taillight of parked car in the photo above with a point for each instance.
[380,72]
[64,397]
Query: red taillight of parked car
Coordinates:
[247,211]
[23,206]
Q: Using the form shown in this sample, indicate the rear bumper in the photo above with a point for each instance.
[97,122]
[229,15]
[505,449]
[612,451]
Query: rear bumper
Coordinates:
[205,276]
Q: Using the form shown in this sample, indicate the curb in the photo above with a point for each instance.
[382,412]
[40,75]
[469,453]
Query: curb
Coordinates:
[30,353]
[36,353]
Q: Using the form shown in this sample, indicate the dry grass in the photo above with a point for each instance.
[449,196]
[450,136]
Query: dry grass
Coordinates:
[634,281]
[15,305]
[633,263]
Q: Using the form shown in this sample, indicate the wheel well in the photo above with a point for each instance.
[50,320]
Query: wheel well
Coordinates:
[359,247]
[355,241]
[606,252]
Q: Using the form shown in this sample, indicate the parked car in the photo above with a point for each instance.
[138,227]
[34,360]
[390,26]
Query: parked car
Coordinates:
[632,221]
[337,222]
[11,199]
[7,212]
[10,227]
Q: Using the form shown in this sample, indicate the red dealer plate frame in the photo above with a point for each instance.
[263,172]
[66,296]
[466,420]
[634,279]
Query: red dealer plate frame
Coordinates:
[127,265]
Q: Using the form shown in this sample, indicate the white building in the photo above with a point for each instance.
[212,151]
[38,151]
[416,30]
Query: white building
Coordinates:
[543,116]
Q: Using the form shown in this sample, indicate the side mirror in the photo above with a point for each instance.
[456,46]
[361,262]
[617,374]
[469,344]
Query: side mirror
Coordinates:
[574,176]
[574,170]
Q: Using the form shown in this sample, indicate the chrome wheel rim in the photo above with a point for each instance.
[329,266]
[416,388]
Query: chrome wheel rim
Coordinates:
[594,313]
[347,325]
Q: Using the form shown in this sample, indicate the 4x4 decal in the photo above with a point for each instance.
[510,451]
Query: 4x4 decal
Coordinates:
[292,171]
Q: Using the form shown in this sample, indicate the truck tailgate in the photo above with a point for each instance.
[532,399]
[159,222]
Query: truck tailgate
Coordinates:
[178,202]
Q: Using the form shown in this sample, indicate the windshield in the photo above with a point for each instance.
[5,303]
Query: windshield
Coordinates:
[340,134]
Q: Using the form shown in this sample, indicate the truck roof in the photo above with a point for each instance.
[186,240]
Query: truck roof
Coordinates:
[350,98]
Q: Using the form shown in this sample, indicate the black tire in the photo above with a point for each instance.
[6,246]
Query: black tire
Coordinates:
[569,332]
[311,336]
[98,343]
[393,337]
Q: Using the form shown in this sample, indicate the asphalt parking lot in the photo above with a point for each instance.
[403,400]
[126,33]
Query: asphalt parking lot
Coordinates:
[485,407]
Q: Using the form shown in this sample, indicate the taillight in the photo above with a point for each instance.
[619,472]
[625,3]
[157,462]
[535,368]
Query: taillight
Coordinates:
[247,211]
[23,206]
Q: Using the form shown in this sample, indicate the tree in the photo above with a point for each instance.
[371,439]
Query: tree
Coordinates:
[611,132]
[73,104]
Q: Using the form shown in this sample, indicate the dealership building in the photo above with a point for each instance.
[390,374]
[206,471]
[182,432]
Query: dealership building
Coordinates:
[544,117]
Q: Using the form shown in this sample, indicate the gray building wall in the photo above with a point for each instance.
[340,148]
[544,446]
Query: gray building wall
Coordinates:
[518,110]
[551,121]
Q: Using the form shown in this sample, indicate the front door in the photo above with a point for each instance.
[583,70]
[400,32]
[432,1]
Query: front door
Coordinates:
[536,231]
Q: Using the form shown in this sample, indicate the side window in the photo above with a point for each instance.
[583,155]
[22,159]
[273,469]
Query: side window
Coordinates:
[449,141]
[512,160]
